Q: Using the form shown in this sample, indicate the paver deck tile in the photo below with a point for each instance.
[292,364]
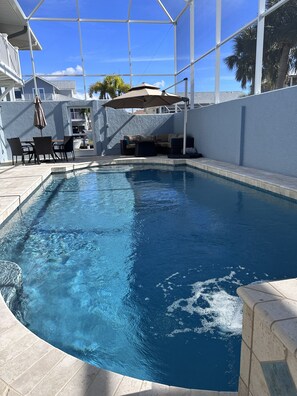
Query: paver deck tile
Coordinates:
[58,377]
[7,319]
[81,382]
[128,386]
[16,348]
[11,335]
[31,377]
[16,367]
[8,204]
[105,382]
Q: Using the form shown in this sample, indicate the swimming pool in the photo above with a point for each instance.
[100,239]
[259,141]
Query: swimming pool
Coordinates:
[135,270]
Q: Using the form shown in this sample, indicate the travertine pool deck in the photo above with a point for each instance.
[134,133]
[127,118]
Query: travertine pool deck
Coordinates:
[29,365]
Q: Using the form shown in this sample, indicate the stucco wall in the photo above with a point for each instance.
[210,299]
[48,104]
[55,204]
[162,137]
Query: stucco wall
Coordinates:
[258,131]
[17,119]
[109,125]
[3,151]
[120,123]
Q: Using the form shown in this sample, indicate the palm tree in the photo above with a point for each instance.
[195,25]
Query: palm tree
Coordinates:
[243,58]
[116,86]
[110,87]
[281,33]
[280,49]
[100,87]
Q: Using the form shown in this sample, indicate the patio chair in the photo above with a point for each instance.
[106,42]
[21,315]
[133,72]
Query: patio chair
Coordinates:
[44,146]
[19,149]
[65,147]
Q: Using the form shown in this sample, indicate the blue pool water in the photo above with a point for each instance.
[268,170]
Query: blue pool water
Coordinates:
[135,270]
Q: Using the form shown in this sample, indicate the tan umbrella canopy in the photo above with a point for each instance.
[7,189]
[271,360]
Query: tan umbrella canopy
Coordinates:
[39,117]
[143,96]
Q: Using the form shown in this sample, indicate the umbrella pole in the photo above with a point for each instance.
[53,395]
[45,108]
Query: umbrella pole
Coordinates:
[185,118]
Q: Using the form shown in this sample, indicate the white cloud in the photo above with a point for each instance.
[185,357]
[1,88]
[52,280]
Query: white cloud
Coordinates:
[81,96]
[159,84]
[69,70]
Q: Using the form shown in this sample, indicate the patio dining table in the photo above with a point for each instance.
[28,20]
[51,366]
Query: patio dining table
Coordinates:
[32,144]
[32,141]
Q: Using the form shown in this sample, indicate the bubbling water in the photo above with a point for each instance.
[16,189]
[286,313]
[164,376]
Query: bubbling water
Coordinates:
[216,309]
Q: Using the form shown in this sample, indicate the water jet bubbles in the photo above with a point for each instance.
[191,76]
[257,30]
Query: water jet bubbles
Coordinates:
[218,311]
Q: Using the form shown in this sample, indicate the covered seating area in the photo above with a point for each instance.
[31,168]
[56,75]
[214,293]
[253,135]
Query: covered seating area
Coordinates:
[140,145]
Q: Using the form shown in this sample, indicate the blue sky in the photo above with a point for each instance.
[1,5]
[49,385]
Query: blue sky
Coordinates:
[105,45]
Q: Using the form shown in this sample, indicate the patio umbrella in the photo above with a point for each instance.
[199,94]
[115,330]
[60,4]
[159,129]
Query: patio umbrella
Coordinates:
[142,97]
[39,117]
[146,95]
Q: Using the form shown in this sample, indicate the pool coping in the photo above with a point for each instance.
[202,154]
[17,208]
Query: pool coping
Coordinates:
[28,364]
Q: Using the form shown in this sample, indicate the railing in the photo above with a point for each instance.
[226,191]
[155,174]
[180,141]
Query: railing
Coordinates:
[46,96]
[171,109]
[9,55]
[77,115]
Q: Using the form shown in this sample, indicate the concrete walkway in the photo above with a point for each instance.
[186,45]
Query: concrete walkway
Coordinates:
[29,365]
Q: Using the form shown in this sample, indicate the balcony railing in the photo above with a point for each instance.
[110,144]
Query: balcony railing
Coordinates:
[77,115]
[9,55]
[43,96]
[46,96]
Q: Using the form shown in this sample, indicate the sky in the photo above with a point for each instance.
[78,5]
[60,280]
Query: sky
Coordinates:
[105,45]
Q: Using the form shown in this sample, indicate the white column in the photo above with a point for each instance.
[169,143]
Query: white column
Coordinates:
[185,118]
[4,35]
[32,58]
[6,91]
[129,53]
[192,52]
[30,45]
[259,47]
[175,61]
[18,62]
[129,42]
[81,48]
[218,49]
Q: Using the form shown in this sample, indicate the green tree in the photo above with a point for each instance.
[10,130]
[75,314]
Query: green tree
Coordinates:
[243,58]
[280,49]
[110,87]
[281,35]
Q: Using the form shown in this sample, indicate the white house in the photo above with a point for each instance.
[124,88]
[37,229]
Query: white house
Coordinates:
[58,90]
[13,37]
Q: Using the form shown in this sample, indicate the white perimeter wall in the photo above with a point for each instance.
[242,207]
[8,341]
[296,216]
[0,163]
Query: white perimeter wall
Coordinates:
[257,131]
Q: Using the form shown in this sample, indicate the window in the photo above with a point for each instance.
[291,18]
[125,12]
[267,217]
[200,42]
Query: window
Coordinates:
[40,93]
[18,93]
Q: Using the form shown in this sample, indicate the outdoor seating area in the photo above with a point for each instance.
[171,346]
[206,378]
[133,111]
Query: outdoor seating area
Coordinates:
[41,148]
[142,145]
